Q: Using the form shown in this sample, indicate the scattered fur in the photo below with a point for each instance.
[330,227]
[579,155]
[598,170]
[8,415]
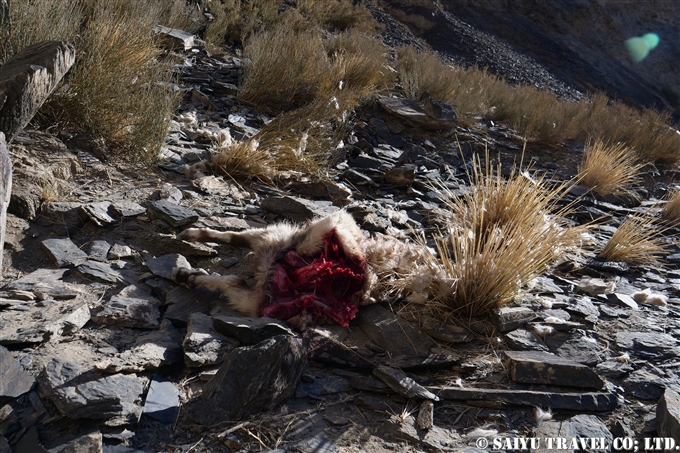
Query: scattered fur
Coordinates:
[545,303]
[380,259]
[543,331]
[480,432]
[542,416]
[647,297]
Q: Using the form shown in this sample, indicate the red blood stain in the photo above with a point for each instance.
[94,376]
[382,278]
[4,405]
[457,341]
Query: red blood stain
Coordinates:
[324,285]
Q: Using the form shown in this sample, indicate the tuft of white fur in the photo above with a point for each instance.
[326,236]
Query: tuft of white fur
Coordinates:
[542,416]
[641,296]
[545,303]
[623,358]
[480,432]
[543,331]
[553,320]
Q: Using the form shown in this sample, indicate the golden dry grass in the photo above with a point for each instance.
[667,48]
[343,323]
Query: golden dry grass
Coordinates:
[118,89]
[609,168]
[671,210]
[500,235]
[338,15]
[636,241]
[244,160]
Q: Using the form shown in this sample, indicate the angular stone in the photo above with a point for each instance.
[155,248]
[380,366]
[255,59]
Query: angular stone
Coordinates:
[613,369]
[172,213]
[252,379]
[522,340]
[648,345]
[40,323]
[106,272]
[369,384]
[593,286]
[99,250]
[64,252]
[163,266]
[15,380]
[576,401]
[534,367]
[174,39]
[413,112]
[119,251]
[149,352]
[395,335]
[402,176]
[183,302]
[27,79]
[133,307]
[583,307]
[644,384]
[446,332]
[402,384]
[39,277]
[250,330]
[89,443]
[125,208]
[587,427]
[297,209]
[623,299]
[78,393]
[443,360]
[582,349]
[322,386]
[324,349]
[668,415]
[317,188]
[510,318]
[162,400]
[99,213]
[66,213]
[203,345]
[425,418]
[5,191]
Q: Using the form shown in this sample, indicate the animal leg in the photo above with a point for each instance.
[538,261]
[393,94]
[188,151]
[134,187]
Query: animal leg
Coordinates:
[244,239]
[239,295]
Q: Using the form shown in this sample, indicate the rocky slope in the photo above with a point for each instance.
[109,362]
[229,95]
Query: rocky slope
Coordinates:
[104,352]
[550,43]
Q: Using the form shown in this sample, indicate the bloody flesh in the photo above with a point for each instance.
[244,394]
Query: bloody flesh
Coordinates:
[327,285]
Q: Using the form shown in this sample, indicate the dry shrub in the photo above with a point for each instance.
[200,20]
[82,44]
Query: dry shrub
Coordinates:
[243,160]
[500,235]
[338,15]
[235,20]
[609,168]
[118,89]
[636,241]
[671,210]
[284,68]
[423,72]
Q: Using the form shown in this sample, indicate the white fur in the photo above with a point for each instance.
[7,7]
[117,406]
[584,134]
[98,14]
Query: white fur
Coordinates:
[384,257]
[646,296]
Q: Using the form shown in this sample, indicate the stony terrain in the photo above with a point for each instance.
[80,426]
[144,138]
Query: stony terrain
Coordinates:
[101,351]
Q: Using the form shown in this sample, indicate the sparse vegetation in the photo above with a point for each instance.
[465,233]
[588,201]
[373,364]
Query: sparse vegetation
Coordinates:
[636,241]
[609,168]
[671,210]
[500,235]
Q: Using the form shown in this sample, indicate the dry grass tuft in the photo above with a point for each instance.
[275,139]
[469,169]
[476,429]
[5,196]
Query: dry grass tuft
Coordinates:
[671,210]
[338,15]
[500,235]
[244,160]
[636,241]
[118,89]
[609,169]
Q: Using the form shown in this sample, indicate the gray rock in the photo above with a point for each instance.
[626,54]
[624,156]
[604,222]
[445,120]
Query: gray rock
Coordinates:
[668,415]
[584,307]
[647,385]
[126,208]
[573,401]
[150,351]
[446,332]
[66,213]
[613,369]
[413,112]
[582,349]
[164,265]
[439,359]
[89,443]
[99,250]
[402,384]
[522,340]
[119,251]
[425,418]
[78,393]
[15,380]
[106,273]
[312,444]
[402,176]
[648,345]
[366,162]
[623,299]
[587,427]
[297,209]
[250,330]
[534,367]
[162,400]
[203,345]
[41,323]
[322,386]
[173,38]
[183,302]
[99,213]
[132,307]
[172,213]
[39,277]
[369,384]
[357,178]
[510,318]
[317,188]
[64,252]
[5,191]
[395,335]
[252,379]
[325,349]
[27,79]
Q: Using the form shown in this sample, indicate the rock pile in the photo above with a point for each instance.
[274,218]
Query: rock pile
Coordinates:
[102,351]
